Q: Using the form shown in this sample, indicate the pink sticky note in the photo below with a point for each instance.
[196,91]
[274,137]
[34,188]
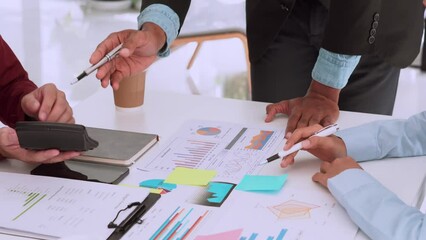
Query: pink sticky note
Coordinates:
[229,235]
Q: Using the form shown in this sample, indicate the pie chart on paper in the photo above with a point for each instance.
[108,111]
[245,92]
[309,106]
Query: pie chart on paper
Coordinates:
[208,131]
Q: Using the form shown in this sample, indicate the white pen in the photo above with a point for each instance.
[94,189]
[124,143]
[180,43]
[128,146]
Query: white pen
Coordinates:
[326,131]
[108,57]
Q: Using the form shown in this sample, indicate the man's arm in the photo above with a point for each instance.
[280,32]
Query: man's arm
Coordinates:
[168,15]
[349,25]
[159,23]
[14,85]
[376,210]
[320,104]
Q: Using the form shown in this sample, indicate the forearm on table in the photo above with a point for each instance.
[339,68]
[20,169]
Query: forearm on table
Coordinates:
[375,209]
[387,138]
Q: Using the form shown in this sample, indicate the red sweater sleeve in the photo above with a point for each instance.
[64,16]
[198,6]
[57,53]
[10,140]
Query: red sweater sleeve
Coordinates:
[14,84]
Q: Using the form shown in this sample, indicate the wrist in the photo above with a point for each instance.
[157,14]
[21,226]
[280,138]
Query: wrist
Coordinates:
[343,150]
[317,88]
[157,33]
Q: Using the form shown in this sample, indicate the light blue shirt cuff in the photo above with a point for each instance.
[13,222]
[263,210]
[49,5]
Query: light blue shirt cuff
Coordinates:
[361,144]
[164,17]
[334,70]
[343,183]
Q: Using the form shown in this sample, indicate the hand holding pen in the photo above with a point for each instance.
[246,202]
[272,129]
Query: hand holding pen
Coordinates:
[108,57]
[298,134]
[139,50]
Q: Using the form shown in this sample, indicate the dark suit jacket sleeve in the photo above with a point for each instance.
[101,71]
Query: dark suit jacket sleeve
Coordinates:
[180,7]
[397,32]
[14,84]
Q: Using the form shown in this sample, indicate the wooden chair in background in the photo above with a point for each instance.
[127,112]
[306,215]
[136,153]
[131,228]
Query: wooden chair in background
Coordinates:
[212,21]
[199,39]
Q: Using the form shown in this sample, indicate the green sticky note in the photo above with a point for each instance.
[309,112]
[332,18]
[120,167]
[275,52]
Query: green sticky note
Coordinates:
[261,183]
[188,176]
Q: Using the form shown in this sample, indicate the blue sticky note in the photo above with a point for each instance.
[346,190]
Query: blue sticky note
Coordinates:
[219,191]
[261,183]
[168,186]
[151,183]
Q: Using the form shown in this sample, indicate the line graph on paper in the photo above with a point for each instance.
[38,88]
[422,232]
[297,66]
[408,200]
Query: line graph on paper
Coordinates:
[232,150]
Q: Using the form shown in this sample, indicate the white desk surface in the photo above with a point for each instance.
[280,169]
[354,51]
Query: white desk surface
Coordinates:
[164,113]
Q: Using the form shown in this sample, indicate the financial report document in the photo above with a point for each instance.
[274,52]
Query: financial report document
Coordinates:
[234,150]
[300,210]
[231,149]
[55,207]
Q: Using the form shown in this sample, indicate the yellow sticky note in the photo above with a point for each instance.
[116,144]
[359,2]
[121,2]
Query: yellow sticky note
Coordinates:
[188,176]
[157,191]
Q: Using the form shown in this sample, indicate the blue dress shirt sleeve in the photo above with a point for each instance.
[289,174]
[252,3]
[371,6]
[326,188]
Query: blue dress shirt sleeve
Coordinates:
[376,210]
[389,138]
[164,17]
[334,70]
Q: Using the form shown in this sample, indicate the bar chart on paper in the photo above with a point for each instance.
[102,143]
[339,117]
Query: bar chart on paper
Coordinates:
[28,199]
[193,153]
[293,214]
[179,225]
[253,236]
[54,208]
[237,235]
[171,222]
[231,149]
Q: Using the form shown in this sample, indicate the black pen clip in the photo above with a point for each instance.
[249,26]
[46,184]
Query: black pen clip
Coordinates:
[133,218]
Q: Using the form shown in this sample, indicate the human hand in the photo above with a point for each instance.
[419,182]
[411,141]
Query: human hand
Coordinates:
[10,148]
[47,103]
[324,148]
[319,105]
[332,169]
[139,51]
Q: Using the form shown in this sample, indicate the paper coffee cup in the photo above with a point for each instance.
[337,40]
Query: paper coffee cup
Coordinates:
[130,94]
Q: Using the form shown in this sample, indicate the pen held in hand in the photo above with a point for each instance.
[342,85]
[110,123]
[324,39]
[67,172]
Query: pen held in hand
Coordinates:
[108,57]
[326,131]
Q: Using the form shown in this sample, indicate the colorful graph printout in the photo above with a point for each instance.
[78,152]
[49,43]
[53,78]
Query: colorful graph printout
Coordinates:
[291,214]
[208,131]
[228,235]
[233,151]
[259,141]
[236,235]
[179,225]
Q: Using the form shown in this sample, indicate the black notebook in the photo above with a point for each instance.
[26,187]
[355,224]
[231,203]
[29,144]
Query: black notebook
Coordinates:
[117,147]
